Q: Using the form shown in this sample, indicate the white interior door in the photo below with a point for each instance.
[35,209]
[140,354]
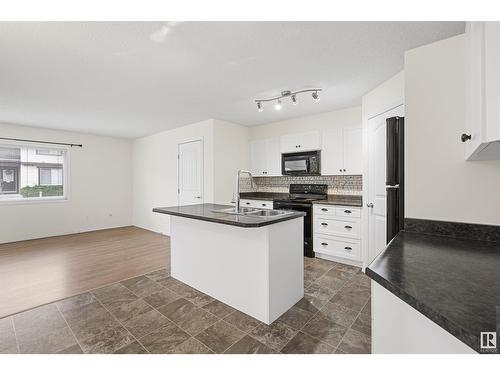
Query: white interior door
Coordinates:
[190,167]
[377,196]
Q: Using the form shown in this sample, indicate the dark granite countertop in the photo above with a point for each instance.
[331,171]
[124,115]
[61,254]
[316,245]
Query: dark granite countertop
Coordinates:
[455,282]
[343,200]
[263,196]
[205,212]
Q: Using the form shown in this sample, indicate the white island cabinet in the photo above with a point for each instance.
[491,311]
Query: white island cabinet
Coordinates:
[253,264]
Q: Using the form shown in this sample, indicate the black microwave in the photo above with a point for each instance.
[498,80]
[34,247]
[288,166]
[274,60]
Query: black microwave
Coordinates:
[301,164]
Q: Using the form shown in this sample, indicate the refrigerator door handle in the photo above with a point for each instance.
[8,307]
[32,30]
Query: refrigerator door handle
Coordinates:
[392,186]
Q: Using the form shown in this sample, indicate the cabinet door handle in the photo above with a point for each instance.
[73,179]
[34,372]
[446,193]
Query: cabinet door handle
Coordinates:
[347,211]
[466,137]
[324,224]
[324,244]
[340,170]
[348,248]
[344,170]
[324,209]
[348,227]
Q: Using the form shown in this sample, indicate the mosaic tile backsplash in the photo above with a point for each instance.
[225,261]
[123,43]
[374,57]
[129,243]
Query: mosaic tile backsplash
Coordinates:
[350,185]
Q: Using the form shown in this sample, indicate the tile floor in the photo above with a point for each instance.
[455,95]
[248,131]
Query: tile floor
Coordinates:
[155,313]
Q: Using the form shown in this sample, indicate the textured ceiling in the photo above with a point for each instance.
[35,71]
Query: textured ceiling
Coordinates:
[131,79]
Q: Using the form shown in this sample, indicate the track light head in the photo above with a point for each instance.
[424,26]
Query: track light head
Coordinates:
[315,96]
[294,99]
[260,107]
[277,106]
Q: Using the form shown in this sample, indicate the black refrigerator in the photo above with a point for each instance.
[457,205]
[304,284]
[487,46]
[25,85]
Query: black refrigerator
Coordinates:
[395,181]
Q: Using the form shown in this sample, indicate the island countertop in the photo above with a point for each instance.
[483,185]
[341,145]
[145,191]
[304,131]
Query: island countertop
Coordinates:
[454,282]
[205,212]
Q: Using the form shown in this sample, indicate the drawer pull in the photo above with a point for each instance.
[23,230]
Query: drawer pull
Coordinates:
[324,224]
[324,209]
[347,212]
[348,248]
[264,205]
[247,203]
[324,244]
[348,227]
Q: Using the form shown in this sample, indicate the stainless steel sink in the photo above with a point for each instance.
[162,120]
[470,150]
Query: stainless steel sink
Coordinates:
[252,212]
[270,213]
[242,211]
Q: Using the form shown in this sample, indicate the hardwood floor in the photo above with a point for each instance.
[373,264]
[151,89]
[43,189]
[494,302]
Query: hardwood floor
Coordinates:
[37,272]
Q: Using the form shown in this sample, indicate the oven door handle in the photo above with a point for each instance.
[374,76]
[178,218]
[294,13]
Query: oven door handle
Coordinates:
[291,205]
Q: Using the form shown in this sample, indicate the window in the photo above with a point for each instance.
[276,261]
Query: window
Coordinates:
[46,151]
[28,172]
[50,176]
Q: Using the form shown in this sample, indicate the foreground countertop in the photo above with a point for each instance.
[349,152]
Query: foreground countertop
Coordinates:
[205,212]
[455,282]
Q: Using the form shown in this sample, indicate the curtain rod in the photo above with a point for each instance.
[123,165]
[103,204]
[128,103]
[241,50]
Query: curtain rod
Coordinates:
[45,142]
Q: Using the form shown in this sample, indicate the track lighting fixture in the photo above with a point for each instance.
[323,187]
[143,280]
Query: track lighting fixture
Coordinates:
[285,94]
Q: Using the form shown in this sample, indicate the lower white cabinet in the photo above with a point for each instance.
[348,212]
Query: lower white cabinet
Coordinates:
[256,203]
[397,328]
[337,233]
[335,246]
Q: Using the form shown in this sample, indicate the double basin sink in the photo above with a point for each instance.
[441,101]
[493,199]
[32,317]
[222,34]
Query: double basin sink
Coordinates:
[253,212]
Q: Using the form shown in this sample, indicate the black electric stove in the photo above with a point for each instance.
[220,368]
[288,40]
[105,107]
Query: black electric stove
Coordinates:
[300,198]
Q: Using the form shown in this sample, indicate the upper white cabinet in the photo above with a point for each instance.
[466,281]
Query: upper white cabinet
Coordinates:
[332,154]
[482,135]
[353,150]
[299,142]
[265,157]
[342,151]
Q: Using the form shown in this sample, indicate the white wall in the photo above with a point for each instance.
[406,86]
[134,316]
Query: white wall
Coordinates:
[100,189]
[440,184]
[340,118]
[226,149]
[154,181]
[386,96]
[231,153]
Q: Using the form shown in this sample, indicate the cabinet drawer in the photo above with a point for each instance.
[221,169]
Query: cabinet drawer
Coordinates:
[341,212]
[324,210]
[348,212]
[254,203]
[337,227]
[339,247]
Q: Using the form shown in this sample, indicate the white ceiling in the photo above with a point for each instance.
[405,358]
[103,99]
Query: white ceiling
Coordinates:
[131,79]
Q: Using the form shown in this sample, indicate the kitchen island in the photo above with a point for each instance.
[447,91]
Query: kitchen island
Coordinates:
[252,262]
